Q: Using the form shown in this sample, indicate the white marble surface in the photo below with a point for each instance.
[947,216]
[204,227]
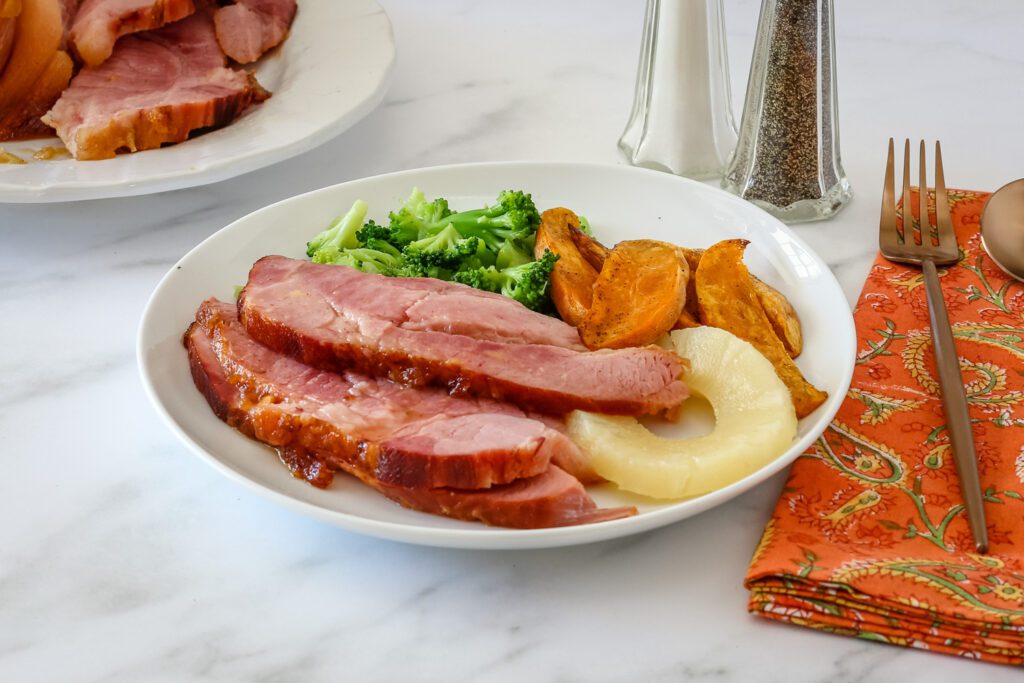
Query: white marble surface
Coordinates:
[124,558]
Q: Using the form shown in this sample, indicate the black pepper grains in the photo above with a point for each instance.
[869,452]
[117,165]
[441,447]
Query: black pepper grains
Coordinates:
[787,157]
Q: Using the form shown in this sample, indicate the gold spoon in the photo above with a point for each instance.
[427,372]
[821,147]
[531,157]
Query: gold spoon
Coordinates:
[1002,228]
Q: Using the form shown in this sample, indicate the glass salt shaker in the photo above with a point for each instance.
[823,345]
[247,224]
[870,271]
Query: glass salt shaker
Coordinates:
[682,119]
[787,158]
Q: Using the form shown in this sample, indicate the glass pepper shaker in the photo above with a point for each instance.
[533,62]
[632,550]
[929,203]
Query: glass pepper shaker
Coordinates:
[787,158]
[682,121]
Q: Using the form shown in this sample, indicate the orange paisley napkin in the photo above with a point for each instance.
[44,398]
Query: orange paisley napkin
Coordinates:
[869,537]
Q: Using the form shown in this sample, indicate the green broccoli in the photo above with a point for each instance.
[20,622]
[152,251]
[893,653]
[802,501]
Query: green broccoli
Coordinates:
[527,283]
[373,231]
[490,248]
[513,217]
[439,256]
[361,258]
[419,218]
[340,234]
[585,226]
[513,253]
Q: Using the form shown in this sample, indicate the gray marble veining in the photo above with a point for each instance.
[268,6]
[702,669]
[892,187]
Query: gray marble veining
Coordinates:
[124,558]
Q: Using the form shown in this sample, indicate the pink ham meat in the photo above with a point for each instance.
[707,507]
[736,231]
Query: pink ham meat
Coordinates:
[407,437]
[99,23]
[417,446]
[552,499]
[248,28]
[158,87]
[425,331]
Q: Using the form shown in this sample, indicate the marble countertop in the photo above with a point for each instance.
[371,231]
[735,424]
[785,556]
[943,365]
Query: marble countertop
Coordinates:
[125,558]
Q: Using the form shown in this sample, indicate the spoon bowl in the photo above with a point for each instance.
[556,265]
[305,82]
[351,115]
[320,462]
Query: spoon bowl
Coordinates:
[1002,228]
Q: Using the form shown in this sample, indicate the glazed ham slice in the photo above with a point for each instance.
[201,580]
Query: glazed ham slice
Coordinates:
[392,438]
[248,28]
[418,437]
[99,23]
[156,88]
[425,331]
[552,499]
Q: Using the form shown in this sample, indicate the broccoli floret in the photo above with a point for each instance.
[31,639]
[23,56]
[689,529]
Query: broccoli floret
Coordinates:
[487,278]
[526,283]
[442,254]
[513,253]
[341,233]
[585,226]
[361,258]
[395,236]
[513,217]
[419,218]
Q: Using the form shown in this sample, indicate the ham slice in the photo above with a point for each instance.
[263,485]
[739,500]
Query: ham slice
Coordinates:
[155,89]
[404,437]
[423,331]
[99,23]
[248,28]
[320,421]
[551,499]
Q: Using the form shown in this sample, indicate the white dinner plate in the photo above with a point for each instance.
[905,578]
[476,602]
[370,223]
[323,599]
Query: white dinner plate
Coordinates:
[331,71]
[621,202]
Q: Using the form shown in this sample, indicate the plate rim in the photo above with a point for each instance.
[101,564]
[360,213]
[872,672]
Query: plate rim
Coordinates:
[220,169]
[482,537]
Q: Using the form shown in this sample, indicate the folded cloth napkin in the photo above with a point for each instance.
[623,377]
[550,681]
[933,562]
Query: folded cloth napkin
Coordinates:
[870,537]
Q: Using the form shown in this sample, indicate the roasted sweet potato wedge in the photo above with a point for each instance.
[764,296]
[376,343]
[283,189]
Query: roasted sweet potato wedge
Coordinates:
[637,297]
[592,251]
[782,316]
[690,317]
[727,298]
[780,312]
[572,279]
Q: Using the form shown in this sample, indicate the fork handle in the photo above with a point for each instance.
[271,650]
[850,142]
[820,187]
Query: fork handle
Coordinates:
[954,403]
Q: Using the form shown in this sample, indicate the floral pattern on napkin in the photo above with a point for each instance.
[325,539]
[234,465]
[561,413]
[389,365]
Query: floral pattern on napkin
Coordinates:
[870,537]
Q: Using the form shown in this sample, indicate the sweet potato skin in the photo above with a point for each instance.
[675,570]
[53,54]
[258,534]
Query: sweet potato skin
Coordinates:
[572,279]
[592,251]
[781,315]
[637,297]
[726,298]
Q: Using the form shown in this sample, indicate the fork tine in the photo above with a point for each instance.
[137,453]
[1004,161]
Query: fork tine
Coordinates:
[922,198]
[888,237]
[942,218]
[908,210]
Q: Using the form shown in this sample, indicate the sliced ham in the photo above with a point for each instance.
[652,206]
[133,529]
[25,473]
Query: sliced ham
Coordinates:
[155,89]
[248,28]
[320,421]
[68,10]
[552,499]
[99,23]
[424,331]
[407,438]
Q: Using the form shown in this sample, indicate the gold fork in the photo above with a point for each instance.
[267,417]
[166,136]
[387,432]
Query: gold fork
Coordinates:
[930,247]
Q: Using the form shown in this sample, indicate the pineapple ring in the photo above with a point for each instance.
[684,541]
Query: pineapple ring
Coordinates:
[754,424]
